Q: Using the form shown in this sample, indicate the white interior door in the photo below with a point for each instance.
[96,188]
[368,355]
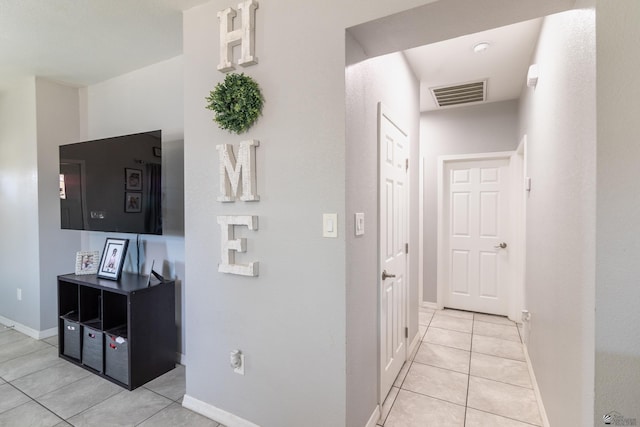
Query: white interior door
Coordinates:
[475,234]
[393,154]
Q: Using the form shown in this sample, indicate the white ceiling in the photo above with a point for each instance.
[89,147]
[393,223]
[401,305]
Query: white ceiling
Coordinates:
[450,62]
[87,41]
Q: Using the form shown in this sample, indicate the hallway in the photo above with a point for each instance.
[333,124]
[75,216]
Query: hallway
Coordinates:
[469,370]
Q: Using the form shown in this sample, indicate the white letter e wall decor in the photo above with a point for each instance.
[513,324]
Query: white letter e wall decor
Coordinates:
[230,245]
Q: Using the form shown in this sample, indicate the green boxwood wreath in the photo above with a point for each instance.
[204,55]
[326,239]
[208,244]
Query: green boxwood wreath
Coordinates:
[237,103]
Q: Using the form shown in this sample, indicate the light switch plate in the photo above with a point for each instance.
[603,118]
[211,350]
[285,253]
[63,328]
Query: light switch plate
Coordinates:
[330,225]
[359,223]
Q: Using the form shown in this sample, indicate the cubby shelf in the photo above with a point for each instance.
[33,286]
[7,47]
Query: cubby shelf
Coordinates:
[123,330]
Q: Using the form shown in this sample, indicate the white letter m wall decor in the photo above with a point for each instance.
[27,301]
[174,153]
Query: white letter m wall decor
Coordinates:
[232,171]
[243,36]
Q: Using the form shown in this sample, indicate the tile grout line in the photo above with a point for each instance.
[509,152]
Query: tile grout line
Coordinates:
[391,407]
[408,368]
[49,410]
[31,399]
[471,351]
[171,402]
[468,373]
[501,382]
[466,402]
[506,417]
[432,397]
[22,355]
[473,320]
[35,372]
[49,392]
[502,357]
[92,406]
[160,394]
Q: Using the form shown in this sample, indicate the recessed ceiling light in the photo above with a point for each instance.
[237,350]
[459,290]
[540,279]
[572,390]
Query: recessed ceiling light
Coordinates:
[481,47]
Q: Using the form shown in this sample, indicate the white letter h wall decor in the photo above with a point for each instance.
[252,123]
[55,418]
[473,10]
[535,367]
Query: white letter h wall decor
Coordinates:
[243,36]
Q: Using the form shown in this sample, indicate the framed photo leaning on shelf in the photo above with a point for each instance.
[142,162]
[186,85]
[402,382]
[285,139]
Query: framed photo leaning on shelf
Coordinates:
[87,262]
[112,259]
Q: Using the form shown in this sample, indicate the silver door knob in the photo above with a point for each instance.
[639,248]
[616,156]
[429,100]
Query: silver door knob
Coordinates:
[386,275]
[502,245]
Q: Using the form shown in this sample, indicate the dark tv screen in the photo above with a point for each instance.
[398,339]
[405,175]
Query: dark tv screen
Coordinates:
[112,184]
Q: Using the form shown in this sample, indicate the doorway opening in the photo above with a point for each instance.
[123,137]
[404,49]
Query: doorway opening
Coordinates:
[440,28]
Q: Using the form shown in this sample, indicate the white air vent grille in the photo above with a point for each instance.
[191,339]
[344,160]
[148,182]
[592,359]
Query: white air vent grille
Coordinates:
[460,94]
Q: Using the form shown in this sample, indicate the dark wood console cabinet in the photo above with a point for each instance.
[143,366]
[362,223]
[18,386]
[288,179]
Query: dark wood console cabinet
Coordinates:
[124,331]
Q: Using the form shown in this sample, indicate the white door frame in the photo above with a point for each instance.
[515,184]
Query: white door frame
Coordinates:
[384,111]
[517,290]
[519,232]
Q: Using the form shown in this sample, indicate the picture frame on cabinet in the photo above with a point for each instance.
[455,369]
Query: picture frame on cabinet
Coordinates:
[87,262]
[113,256]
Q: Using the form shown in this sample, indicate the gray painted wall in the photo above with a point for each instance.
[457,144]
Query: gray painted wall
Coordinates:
[559,120]
[617,344]
[147,99]
[57,111]
[474,129]
[390,80]
[19,251]
[35,116]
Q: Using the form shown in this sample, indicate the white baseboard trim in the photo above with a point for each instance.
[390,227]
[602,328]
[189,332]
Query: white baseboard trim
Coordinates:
[216,414]
[373,419]
[536,389]
[35,334]
[48,333]
[430,305]
[182,359]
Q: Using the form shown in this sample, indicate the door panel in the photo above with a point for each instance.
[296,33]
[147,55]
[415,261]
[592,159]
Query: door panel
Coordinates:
[460,272]
[460,214]
[489,206]
[488,274]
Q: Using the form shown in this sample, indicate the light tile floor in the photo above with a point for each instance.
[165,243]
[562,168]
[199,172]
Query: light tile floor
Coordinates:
[38,389]
[469,370]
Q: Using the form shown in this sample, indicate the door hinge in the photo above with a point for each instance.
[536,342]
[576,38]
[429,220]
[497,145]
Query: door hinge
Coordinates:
[406,248]
[406,168]
[406,332]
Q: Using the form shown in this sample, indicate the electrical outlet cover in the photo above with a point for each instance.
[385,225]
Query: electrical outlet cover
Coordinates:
[240,369]
[359,221]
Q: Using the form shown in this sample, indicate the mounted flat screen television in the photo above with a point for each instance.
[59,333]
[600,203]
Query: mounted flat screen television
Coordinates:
[112,184]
